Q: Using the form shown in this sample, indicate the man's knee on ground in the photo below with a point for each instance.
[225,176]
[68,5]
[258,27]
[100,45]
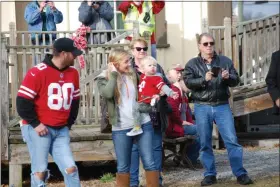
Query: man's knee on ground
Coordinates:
[71,170]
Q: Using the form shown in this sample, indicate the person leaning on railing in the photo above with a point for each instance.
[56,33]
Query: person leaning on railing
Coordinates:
[97,15]
[42,16]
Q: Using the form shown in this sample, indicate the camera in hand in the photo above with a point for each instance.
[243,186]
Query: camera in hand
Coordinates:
[95,3]
[147,17]
[215,70]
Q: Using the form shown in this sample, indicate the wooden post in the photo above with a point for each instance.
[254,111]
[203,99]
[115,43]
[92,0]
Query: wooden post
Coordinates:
[228,47]
[14,72]
[4,100]
[15,175]
[205,27]
[228,43]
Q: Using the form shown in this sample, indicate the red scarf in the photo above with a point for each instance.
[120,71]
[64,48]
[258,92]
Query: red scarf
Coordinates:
[81,42]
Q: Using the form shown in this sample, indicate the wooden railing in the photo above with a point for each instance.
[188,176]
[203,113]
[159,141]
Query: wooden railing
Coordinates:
[22,55]
[249,44]
[257,40]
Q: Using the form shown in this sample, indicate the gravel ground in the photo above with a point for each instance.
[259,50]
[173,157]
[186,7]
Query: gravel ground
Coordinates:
[258,162]
[261,163]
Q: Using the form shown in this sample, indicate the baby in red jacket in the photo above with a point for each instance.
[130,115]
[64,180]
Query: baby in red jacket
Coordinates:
[150,86]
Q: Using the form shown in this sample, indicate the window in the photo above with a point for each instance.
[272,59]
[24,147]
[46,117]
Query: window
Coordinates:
[255,10]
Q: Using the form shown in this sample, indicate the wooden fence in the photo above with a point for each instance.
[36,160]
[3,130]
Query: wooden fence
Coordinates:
[18,55]
[249,44]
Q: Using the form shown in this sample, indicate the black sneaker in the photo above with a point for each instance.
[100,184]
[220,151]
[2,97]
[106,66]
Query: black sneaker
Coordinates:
[209,180]
[244,179]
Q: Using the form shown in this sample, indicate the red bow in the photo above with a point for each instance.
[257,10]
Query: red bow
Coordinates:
[81,42]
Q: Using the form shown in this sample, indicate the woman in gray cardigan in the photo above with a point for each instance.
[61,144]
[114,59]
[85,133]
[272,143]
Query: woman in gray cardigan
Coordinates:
[97,15]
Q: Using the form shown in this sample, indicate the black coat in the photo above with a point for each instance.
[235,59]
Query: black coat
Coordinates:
[273,80]
[213,92]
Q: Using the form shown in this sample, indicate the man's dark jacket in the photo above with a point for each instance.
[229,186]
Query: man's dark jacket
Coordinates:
[273,80]
[215,91]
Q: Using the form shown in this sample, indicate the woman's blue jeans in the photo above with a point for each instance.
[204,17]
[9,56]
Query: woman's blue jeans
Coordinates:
[123,148]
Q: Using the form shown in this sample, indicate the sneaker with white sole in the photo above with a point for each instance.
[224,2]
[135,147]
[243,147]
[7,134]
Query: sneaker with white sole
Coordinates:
[135,131]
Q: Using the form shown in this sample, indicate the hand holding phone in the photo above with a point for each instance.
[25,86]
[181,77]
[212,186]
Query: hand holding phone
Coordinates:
[225,74]
[215,70]
[208,76]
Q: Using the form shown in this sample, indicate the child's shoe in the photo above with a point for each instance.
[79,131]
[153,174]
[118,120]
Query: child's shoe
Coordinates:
[135,131]
[153,101]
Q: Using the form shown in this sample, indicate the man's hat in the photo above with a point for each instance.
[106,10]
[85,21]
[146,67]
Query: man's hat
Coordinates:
[177,67]
[67,45]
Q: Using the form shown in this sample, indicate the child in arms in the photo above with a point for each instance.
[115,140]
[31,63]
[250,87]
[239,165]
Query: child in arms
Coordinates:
[151,85]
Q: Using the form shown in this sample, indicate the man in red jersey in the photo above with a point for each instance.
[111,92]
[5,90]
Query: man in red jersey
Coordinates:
[48,103]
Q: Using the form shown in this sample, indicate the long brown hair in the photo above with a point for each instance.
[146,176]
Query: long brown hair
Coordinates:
[117,56]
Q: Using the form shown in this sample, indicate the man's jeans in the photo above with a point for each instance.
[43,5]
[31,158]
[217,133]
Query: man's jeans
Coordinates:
[157,150]
[193,152]
[222,115]
[123,148]
[57,143]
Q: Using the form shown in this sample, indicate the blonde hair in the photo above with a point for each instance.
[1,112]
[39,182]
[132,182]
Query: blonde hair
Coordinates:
[117,56]
[138,40]
[147,59]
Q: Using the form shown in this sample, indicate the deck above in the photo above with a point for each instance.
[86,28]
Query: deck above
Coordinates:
[251,98]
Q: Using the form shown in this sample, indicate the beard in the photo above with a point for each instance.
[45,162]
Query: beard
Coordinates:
[71,63]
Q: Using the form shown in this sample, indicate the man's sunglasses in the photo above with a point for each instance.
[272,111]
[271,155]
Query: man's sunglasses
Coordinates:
[140,48]
[208,43]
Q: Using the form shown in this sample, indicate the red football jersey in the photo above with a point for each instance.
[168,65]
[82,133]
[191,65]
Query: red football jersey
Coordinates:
[149,86]
[52,92]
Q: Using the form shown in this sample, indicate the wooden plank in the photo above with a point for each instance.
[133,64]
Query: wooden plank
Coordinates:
[4,100]
[253,104]
[242,89]
[76,135]
[244,54]
[13,60]
[249,94]
[15,175]
[258,73]
[82,151]
[227,35]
